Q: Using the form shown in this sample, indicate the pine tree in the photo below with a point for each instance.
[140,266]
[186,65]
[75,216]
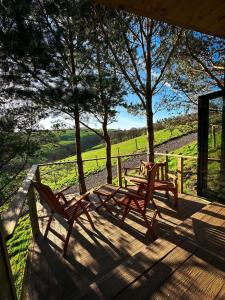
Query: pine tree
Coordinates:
[143,50]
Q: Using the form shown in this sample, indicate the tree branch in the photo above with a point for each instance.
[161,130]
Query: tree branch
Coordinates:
[201,63]
[167,60]
[95,131]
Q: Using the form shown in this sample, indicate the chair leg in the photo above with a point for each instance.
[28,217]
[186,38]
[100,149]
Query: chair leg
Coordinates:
[167,194]
[89,218]
[67,239]
[148,225]
[126,211]
[103,204]
[48,226]
[175,197]
[156,208]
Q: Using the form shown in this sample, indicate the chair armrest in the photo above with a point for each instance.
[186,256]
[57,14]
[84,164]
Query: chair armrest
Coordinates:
[129,169]
[59,195]
[83,196]
[64,189]
[77,200]
[174,176]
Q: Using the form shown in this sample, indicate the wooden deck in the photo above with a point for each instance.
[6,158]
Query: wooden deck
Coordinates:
[187,261]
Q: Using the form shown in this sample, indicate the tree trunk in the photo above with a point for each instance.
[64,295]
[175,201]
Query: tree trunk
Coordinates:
[82,185]
[148,95]
[108,153]
[150,128]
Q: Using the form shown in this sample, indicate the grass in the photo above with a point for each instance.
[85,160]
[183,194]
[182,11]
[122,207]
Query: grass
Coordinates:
[58,176]
[18,249]
[190,165]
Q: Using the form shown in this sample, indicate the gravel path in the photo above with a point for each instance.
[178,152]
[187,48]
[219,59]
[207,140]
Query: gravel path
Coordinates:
[100,177]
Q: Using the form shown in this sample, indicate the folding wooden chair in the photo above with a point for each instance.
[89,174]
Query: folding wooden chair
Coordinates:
[140,172]
[164,180]
[136,202]
[68,210]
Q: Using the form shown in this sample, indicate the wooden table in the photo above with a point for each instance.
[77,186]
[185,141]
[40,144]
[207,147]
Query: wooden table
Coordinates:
[105,193]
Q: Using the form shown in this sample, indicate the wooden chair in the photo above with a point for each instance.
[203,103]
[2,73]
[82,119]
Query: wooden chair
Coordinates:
[141,172]
[68,210]
[136,202]
[164,180]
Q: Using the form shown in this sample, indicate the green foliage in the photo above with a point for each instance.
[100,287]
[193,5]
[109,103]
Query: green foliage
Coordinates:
[18,248]
[190,165]
[18,143]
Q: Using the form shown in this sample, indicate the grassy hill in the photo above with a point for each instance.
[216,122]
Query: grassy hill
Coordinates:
[60,175]
[64,145]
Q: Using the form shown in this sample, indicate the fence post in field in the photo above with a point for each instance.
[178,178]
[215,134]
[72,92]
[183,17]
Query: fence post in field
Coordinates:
[8,290]
[118,151]
[213,136]
[136,144]
[119,171]
[97,160]
[180,169]
[76,169]
[33,211]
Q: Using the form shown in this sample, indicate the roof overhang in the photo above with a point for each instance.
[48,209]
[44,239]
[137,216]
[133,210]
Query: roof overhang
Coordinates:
[207,16]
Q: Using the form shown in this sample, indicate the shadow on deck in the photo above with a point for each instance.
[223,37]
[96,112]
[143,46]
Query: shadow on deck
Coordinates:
[122,263]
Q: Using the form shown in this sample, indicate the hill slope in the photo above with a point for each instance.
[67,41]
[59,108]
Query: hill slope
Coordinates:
[65,174]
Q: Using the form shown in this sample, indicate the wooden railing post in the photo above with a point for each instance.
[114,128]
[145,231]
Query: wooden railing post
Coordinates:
[180,167]
[167,166]
[38,176]
[119,171]
[213,136]
[7,290]
[33,212]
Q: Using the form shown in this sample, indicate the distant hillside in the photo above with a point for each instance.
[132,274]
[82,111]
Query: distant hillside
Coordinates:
[64,144]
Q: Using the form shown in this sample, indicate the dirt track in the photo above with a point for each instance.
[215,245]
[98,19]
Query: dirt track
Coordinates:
[100,177]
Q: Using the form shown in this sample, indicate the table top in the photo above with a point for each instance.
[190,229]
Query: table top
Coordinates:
[106,190]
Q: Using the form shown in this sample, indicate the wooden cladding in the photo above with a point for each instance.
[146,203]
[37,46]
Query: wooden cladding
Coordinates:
[205,16]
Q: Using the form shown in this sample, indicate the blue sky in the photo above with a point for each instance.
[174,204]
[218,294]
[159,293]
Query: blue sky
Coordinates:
[125,120]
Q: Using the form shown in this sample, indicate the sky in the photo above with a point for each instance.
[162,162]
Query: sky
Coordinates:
[124,120]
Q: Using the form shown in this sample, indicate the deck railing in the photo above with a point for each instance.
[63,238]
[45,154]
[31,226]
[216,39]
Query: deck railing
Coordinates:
[26,195]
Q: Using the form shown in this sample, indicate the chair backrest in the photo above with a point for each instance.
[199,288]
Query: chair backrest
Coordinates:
[150,185]
[162,172]
[47,195]
[144,167]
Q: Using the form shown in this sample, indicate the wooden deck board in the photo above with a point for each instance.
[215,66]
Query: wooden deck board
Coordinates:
[112,261]
[186,264]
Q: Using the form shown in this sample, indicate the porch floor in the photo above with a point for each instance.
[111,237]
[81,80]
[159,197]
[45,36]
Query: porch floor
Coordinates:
[187,261]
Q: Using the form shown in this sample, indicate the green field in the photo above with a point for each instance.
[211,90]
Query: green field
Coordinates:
[190,165]
[58,176]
